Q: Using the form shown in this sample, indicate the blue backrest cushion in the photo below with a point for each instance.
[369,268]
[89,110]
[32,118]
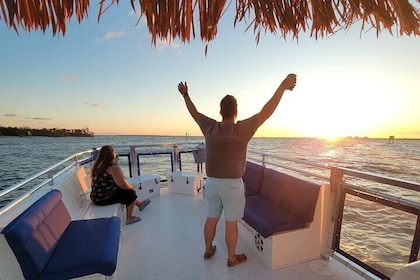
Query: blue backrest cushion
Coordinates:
[33,235]
[253,177]
[97,243]
[270,187]
[297,196]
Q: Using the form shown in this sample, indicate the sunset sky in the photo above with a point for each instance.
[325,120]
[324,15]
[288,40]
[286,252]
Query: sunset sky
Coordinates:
[108,77]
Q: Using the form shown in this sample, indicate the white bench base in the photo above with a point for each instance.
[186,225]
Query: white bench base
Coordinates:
[277,251]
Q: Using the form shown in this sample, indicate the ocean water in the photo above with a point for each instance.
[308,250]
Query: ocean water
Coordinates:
[365,223]
[25,156]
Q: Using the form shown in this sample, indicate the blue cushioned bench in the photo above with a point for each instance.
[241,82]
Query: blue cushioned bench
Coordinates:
[277,202]
[253,178]
[284,219]
[49,245]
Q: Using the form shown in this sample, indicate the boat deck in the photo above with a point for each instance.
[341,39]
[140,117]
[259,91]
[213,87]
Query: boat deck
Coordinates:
[168,244]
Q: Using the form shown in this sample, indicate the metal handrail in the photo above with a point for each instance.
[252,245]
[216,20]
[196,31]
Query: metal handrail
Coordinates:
[161,145]
[346,171]
[41,173]
[310,164]
[341,187]
[359,174]
[78,159]
[380,194]
[36,188]
[382,179]
[306,162]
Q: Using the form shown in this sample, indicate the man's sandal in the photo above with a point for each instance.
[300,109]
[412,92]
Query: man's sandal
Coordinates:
[239,259]
[208,255]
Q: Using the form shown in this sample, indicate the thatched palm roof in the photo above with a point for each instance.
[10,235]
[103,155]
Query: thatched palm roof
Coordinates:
[172,19]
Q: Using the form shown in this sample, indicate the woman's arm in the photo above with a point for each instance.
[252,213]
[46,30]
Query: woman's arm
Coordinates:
[118,176]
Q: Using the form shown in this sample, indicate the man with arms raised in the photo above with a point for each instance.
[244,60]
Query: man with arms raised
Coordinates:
[226,153]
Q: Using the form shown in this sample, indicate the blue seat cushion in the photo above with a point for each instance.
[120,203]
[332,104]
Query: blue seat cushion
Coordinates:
[253,178]
[33,235]
[87,247]
[48,245]
[294,195]
[267,218]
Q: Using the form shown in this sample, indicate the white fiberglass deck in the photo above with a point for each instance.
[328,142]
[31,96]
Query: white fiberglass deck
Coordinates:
[168,244]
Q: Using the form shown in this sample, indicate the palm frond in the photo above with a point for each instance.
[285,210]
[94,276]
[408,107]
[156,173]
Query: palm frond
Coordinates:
[170,19]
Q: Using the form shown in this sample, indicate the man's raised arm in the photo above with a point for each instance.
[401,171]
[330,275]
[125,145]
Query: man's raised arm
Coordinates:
[183,89]
[288,84]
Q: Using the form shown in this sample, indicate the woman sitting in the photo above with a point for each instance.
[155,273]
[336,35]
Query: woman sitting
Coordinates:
[109,185]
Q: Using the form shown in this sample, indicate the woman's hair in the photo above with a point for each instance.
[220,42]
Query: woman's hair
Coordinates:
[228,107]
[104,160]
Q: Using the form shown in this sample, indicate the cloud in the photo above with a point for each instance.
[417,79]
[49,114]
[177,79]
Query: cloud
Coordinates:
[41,119]
[93,104]
[112,35]
[68,78]
[163,44]
[12,115]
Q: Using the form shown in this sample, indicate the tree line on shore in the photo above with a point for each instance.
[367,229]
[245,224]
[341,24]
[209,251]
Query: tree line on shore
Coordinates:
[50,132]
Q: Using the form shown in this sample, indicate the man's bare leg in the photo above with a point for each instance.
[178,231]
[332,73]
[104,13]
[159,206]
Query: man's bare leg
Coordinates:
[231,236]
[210,232]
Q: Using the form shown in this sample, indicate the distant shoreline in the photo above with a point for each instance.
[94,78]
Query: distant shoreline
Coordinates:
[54,132]
[85,133]
[54,136]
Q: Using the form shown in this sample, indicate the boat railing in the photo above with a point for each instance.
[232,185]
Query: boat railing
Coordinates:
[351,191]
[133,155]
[303,167]
[391,209]
[355,194]
[13,195]
[39,180]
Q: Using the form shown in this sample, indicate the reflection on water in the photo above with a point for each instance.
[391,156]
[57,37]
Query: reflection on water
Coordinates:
[376,234]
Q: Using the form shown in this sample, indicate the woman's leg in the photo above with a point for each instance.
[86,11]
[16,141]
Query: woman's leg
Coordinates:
[129,199]
[142,204]
[139,204]
[130,209]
